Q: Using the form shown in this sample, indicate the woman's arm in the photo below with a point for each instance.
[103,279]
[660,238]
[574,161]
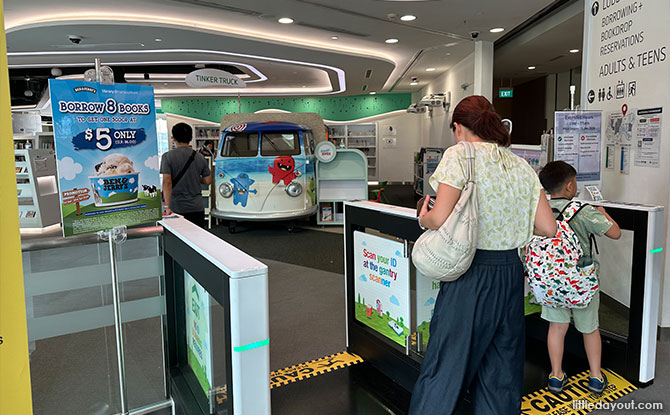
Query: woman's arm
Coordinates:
[447,197]
[545,223]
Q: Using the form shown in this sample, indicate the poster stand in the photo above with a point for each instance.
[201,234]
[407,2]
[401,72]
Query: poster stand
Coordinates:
[116,236]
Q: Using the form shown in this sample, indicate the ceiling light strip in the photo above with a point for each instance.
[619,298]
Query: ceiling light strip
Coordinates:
[409,66]
[251,68]
[157,20]
[340,73]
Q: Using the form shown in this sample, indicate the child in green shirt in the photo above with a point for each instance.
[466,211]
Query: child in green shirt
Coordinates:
[559,179]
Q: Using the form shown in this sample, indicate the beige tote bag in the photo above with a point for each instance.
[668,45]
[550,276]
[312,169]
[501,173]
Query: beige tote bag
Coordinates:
[446,253]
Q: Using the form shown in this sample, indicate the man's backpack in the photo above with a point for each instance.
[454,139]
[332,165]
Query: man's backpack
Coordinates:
[552,272]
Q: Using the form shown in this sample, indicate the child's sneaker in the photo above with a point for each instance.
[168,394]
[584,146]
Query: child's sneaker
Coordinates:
[556,384]
[597,385]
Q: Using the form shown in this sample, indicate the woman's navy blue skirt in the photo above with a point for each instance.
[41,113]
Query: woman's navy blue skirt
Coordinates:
[477,340]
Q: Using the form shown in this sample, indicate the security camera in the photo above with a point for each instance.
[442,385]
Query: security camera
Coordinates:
[74,39]
[416,109]
[474,34]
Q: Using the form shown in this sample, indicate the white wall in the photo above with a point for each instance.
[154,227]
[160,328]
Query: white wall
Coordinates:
[435,130]
[647,185]
[397,164]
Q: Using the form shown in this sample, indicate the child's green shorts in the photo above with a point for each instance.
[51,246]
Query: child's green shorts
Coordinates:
[586,319]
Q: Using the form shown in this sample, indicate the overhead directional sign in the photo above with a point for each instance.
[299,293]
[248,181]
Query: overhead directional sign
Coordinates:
[213,78]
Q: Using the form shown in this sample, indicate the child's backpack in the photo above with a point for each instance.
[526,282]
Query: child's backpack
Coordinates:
[551,266]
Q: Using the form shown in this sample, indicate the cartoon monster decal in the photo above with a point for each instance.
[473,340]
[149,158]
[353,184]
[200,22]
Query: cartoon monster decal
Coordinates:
[241,185]
[283,168]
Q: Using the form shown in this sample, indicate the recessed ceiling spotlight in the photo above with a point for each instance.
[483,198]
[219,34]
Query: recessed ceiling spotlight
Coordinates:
[448,54]
[304,86]
[414,83]
[430,69]
[574,50]
[391,40]
[531,68]
[334,37]
[158,39]
[28,93]
[373,93]
[408,18]
[497,30]
[285,20]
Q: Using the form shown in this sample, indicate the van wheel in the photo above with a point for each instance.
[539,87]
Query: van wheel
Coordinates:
[232,226]
[291,227]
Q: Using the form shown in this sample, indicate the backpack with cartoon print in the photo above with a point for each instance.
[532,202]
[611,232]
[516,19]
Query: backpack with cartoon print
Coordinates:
[552,270]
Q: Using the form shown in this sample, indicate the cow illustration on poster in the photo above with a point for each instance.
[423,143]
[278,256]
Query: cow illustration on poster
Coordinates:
[382,286]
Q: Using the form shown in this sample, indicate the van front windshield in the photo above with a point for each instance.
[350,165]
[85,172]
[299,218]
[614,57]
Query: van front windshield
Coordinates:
[240,145]
[280,144]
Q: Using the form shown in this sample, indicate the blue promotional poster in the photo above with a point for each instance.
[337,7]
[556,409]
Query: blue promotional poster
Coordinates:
[107,152]
[382,286]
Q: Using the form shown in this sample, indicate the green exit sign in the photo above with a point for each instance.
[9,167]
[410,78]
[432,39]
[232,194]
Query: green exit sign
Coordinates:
[505,92]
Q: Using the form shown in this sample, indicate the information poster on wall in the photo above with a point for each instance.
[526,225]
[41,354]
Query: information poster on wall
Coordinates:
[578,142]
[619,127]
[426,295]
[382,286]
[625,74]
[198,332]
[107,152]
[648,137]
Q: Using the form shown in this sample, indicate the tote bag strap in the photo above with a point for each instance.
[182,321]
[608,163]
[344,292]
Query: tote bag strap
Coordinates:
[470,157]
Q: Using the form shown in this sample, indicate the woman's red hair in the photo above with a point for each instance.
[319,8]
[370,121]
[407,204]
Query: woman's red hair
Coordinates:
[478,115]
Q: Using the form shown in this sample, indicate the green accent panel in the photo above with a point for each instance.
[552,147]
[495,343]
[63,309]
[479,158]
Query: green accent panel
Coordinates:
[653,251]
[345,108]
[251,346]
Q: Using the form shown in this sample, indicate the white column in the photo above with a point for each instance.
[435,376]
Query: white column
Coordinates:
[484,69]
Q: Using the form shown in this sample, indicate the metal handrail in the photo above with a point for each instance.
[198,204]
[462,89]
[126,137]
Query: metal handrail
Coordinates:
[38,244]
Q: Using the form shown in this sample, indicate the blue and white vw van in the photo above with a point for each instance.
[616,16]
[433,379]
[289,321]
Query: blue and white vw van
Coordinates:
[265,171]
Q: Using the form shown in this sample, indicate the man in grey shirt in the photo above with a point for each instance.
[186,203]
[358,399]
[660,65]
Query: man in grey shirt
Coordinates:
[184,170]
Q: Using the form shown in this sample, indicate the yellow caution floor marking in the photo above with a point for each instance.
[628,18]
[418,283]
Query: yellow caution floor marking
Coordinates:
[312,368]
[576,397]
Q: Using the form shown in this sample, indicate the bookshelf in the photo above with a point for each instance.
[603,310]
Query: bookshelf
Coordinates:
[37,187]
[345,178]
[358,136]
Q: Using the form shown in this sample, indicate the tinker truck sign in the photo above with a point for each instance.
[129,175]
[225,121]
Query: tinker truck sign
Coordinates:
[213,78]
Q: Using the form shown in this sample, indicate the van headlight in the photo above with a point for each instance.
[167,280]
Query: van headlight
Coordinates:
[294,189]
[226,190]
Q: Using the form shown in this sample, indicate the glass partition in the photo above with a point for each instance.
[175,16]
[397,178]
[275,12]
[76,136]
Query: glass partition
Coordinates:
[630,275]
[198,328]
[71,326]
[615,282]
